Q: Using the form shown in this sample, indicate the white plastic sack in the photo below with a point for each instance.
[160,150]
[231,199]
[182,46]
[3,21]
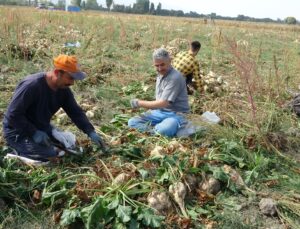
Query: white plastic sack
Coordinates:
[186,130]
[65,137]
[210,117]
[195,123]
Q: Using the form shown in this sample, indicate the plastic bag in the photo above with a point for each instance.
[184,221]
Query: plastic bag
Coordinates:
[65,137]
[210,117]
[188,129]
[72,44]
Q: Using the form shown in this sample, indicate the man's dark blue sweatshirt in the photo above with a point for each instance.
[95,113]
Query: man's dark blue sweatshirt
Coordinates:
[34,103]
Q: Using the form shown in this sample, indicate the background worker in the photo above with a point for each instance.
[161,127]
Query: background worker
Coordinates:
[186,63]
[166,113]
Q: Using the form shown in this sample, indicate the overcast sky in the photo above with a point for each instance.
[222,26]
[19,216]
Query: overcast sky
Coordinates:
[254,8]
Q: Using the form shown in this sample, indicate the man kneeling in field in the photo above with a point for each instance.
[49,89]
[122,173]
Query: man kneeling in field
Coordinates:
[37,98]
[166,114]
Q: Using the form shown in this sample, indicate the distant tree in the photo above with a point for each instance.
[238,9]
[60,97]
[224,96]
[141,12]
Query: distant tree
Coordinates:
[128,9]
[290,20]
[76,2]
[19,2]
[192,14]
[61,4]
[118,8]
[158,9]
[141,6]
[109,3]
[91,4]
[146,6]
[102,8]
[213,15]
[152,8]
[178,13]
[83,4]
[241,17]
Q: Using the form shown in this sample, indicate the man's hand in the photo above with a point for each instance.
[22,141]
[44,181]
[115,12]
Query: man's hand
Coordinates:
[98,141]
[40,137]
[134,103]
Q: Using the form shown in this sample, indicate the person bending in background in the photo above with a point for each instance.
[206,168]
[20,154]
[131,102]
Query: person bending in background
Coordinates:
[166,114]
[26,124]
[186,63]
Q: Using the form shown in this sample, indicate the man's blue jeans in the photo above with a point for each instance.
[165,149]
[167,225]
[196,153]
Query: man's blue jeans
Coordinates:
[26,147]
[160,121]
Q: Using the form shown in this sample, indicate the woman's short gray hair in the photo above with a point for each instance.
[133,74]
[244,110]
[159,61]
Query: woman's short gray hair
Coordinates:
[160,53]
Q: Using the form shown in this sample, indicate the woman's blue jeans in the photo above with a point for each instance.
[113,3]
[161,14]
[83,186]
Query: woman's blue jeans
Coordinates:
[158,121]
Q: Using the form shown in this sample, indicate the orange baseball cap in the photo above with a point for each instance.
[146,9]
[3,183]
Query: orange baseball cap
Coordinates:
[70,65]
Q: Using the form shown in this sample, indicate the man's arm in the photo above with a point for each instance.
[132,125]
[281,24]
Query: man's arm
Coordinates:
[153,104]
[169,95]
[76,114]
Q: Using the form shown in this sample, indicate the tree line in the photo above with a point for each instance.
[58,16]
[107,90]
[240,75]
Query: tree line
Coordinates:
[143,7]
